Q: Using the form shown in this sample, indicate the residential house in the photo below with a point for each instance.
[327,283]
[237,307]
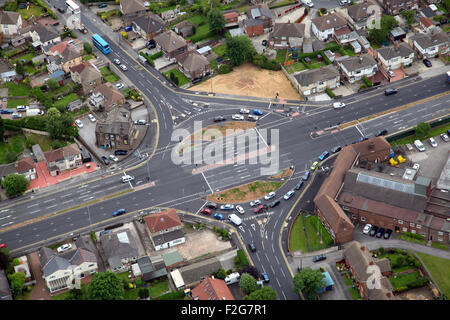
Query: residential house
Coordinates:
[427,24]
[62,159]
[355,68]
[212,289]
[317,80]
[70,57]
[5,291]
[394,7]
[105,97]
[363,15]
[73,106]
[64,271]
[120,249]
[27,168]
[261,12]
[131,9]
[171,44]
[170,14]
[6,170]
[326,26]
[184,28]
[165,229]
[393,57]
[253,27]
[87,75]
[148,25]
[429,45]
[287,35]
[117,131]
[148,270]
[10,22]
[44,35]
[193,65]
[231,18]
[8,76]
[194,273]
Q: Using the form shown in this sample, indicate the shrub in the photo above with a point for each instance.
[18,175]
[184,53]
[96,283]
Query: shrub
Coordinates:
[224,68]
[414,235]
[139,282]
[330,93]
[16,262]
[156,55]
[143,293]
[93,236]
[242,258]
[366,81]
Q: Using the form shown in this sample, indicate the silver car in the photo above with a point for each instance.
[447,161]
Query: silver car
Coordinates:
[240,209]
[255,203]
[269,195]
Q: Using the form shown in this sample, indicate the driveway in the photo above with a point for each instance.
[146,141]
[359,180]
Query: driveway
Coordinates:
[40,291]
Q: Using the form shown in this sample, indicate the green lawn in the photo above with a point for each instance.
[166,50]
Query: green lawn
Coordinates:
[202,33]
[355,293]
[316,64]
[433,133]
[213,64]
[221,49]
[108,75]
[26,57]
[396,267]
[406,238]
[281,55]
[441,246]
[197,19]
[439,269]
[17,89]
[296,67]
[348,281]
[159,288]
[182,80]
[16,144]
[297,240]
[12,103]
[88,57]
[33,10]
[66,100]
[403,280]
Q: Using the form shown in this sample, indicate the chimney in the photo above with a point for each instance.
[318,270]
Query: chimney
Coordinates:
[360,59]
[363,248]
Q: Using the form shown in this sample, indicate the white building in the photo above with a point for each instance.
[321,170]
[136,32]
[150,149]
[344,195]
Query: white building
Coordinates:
[10,22]
[355,68]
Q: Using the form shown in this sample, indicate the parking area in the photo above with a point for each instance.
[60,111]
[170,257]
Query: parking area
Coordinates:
[419,67]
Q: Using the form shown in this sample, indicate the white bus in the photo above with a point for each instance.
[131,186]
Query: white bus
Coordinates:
[73,7]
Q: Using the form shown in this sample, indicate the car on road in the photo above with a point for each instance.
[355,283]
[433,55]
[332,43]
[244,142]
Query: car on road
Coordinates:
[390,91]
[324,155]
[444,137]
[381,133]
[118,212]
[117,61]
[252,247]
[274,203]
[433,143]
[305,176]
[219,118]
[288,195]
[264,43]
[91,117]
[206,211]
[113,158]
[344,2]
[127,178]
[240,209]
[244,111]
[105,160]
[255,203]
[123,67]
[102,5]
[218,216]
[22,108]
[64,247]
[6,111]
[211,205]
[79,123]
[120,152]
[257,112]
[119,85]
[140,122]
[338,105]
[367,228]
[419,145]
[387,234]
[427,63]
[265,277]
[373,231]
[380,232]
[252,117]
[308,3]
[3,245]
[298,185]
[391,73]
[269,196]
[336,149]
[237,117]
[319,257]
[227,207]
[314,165]
[260,209]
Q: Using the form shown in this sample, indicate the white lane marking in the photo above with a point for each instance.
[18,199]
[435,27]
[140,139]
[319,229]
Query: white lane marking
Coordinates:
[207,183]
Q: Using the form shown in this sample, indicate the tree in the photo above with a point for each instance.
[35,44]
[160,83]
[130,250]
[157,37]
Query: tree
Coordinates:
[55,127]
[408,15]
[37,93]
[15,184]
[378,35]
[2,130]
[388,23]
[266,293]
[251,270]
[143,293]
[52,84]
[240,49]
[247,283]
[19,67]
[17,280]
[422,129]
[11,156]
[53,112]
[106,286]
[87,48]
[446,4]
[216,20]
[308,281]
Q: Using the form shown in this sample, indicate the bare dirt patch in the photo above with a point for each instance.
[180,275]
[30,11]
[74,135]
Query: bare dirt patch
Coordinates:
[249,80]
[245,193]
[201,243]
[283,174]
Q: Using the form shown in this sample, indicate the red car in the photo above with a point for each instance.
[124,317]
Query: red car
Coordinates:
[206,211]
[3,245]
[260,208]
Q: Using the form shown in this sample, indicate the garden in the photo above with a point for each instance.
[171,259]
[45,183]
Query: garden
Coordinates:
[439,269]
[308,234]
[176,77]
[108,75]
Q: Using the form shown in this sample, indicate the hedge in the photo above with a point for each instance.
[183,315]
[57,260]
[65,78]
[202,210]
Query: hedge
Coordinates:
[148,59]
[171,296]
[414,235]
[224,68]
[367,81]
[156,55]
[330,93]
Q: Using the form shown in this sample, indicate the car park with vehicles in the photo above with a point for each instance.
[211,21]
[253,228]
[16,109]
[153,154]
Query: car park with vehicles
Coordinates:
[244,111]
[118,212]
[64,247]
[433,143]
[235,219]
[419,145]
[117,61]
[373,231]
[288,195]
[252,117]
[269,196]
[218,216]
[387,234]
[367,228]
[16,116]
[319,257]
[227,207]
[79,123]
[427,63]
[206,211]
[113,158]
[237,117]
[6,111]
[22,108]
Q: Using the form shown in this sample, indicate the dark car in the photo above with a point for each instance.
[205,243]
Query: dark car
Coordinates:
[373,231]
[320,257]
[118,212]
[274,203]
[298,185]
[102,5]
[211,205]
[196,80]
[120,152]
[105,160]
[264,43]
[265,277]
[219,118]
[336,149]
[448,132]
[305,176]
[381,133]
[380,232]
[427,63]
[324,155]
[362,139]
[390,91]
[387,234]
[151,44]
[252,247]
[6,111]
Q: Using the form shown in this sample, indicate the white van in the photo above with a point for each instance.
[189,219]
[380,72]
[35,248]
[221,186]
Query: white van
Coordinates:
[235,219]
[127,178]
[232,278]
[419,145]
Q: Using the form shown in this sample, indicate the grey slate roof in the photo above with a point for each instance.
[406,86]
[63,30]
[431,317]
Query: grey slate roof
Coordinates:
[172,258]
[318,45]
[328,22]
[427,40]
[321,74]
[149,24]
[38,153]
[45,33]
[253,22]
[358,62]
[403,50]
[5,291]
[115,249]
[194,272]
[288,30]
[82,255]
[166,237]
[9,17]
[7,169]
[116,123]
[45,254]
[55,264]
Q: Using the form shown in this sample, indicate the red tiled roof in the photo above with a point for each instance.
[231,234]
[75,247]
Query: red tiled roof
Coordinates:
[212,289]
[54,155]
[341,31]
[230,15]
[60,47]
[162,220]
[426,22]
[25,165]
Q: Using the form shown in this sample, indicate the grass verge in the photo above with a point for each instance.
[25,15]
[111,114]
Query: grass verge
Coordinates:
[439,269]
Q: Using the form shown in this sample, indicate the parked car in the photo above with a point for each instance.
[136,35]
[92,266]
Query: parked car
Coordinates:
[252,247]
[305,176]
[444,137]
[324,155]
[227,207]
[338,105]
[244,111]
[433,143]
[102,5]
[140,122]
[387,234]
[64,247]
[298,185]
[257,112]
[237,117]
[373,231]
[79,123]
[419,145]
[264,43]
[121,152]
[390,91]
[113,158]
[255,203]
[240,209]
[252,117]
[91,117]
[117,61]
[314,165]
[118,212]
[319,257]
[427,63]
[6,111]
[105,160]
[206,211]
[391,73]
[336,149]
[119,85]
[218,216]
[265,277]
[308,3]
[380,232]
[219,118]
[123,67]
[289,194]
[269,196]
[16,116]
[22,108]
[150,44]
[381,133]
[274,203]
[367,228]
[211,205]
[344,2]
[260,209]
[416,166]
